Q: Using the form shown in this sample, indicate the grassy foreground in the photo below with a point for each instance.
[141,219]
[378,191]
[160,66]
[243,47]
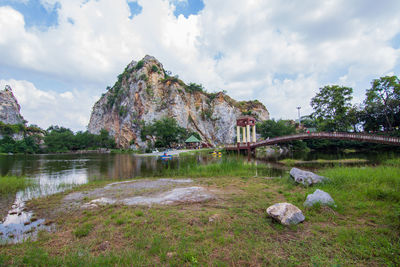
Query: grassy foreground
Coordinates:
[232,230]
[12,184]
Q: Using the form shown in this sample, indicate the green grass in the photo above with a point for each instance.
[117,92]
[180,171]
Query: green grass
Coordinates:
[222,167]
[12,184]
[83,230]
[292,162]
[392,162]
[364,228]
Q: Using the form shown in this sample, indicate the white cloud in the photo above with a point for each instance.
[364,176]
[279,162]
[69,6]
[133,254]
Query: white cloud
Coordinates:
[280,52]
[51,108]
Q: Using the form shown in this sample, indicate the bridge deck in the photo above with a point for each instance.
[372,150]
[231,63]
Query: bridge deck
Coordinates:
[361,137]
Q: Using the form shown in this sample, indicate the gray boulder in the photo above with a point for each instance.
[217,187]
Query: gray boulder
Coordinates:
[306,177]
[286,213]
[319,196]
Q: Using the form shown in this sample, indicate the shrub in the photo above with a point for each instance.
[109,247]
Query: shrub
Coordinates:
[193,87]
[139,65]
[154,68]
[143,77]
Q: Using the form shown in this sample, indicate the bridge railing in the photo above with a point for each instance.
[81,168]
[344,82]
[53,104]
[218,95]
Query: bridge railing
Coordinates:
[323,135]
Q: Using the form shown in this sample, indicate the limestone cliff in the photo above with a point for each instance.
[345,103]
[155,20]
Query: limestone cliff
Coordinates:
[144,92]
[9,107]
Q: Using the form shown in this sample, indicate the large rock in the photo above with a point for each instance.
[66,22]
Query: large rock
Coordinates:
[306,177]
[145,93]
[9,107]
[319,196]
[286,213]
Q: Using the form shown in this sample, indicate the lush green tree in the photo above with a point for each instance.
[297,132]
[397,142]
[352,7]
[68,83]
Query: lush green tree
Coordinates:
[60,139]
[308,122]
[272,128]
[331,105]
[166,131]
[382,104]
[355,117]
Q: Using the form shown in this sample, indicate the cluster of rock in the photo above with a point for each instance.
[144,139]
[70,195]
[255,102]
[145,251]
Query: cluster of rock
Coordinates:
[9,107]
[289,214]
[144,92]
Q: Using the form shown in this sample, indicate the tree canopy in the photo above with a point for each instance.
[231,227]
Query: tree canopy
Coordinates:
[272,128]
[382,104]
[331,105]
[166,132]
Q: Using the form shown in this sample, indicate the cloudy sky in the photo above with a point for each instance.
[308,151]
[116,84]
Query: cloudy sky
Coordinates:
[60,55]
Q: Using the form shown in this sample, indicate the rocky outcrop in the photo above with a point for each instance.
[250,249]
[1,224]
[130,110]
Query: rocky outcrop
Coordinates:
[306,177]
[286,213]
[144,92]
[9,107]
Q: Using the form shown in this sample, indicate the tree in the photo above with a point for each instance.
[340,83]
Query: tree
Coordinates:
[355,116]
[272,128]
[166,131]
[330,106]
[382,104]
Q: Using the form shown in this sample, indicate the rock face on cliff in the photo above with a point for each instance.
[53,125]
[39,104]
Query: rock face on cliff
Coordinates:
[144,92]
[9,107]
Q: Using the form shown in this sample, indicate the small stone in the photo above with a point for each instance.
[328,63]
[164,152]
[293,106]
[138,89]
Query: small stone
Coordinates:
[13,212]
[213,217]
[171,254]
[286,213]
[34,219]
[27,223]
[104,246]
[11,236]
[319,196]
[306,177]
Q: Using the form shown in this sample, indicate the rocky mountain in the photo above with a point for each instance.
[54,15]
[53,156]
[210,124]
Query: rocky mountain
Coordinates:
[9,107]
[145,92]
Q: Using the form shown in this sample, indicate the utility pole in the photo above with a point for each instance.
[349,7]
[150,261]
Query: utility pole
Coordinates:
[298,109]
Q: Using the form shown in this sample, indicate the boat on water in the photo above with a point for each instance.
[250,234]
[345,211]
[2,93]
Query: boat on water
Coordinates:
[165,156]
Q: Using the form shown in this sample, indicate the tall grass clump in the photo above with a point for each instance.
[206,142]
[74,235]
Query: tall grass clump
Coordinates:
[365,191]
[12,184]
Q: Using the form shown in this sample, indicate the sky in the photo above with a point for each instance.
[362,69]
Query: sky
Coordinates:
[60,55]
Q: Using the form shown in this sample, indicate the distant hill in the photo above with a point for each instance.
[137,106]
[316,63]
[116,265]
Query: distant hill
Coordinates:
[145,92]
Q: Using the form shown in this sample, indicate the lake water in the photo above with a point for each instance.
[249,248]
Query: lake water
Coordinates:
[55,173]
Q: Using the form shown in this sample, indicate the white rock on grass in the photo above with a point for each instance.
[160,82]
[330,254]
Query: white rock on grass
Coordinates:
[286,213]
[306,177]
[319,196]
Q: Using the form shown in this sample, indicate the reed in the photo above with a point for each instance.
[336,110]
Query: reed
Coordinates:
[12,184]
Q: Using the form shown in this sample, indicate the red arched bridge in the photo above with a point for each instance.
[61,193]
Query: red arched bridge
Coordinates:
[361,137]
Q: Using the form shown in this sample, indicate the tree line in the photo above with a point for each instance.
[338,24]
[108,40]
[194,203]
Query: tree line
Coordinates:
[333,111]
[55,139]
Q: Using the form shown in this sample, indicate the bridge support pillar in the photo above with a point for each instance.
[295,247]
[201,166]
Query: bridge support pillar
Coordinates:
[248,133]
[244,134]
[254,133]
[238,134]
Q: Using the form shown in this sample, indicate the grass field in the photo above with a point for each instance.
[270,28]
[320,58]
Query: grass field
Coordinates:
[232,230]
[12,184]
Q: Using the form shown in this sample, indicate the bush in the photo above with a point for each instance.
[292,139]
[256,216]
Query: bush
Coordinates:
[154,68]
[193,87]
[143,77]
[139,65]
